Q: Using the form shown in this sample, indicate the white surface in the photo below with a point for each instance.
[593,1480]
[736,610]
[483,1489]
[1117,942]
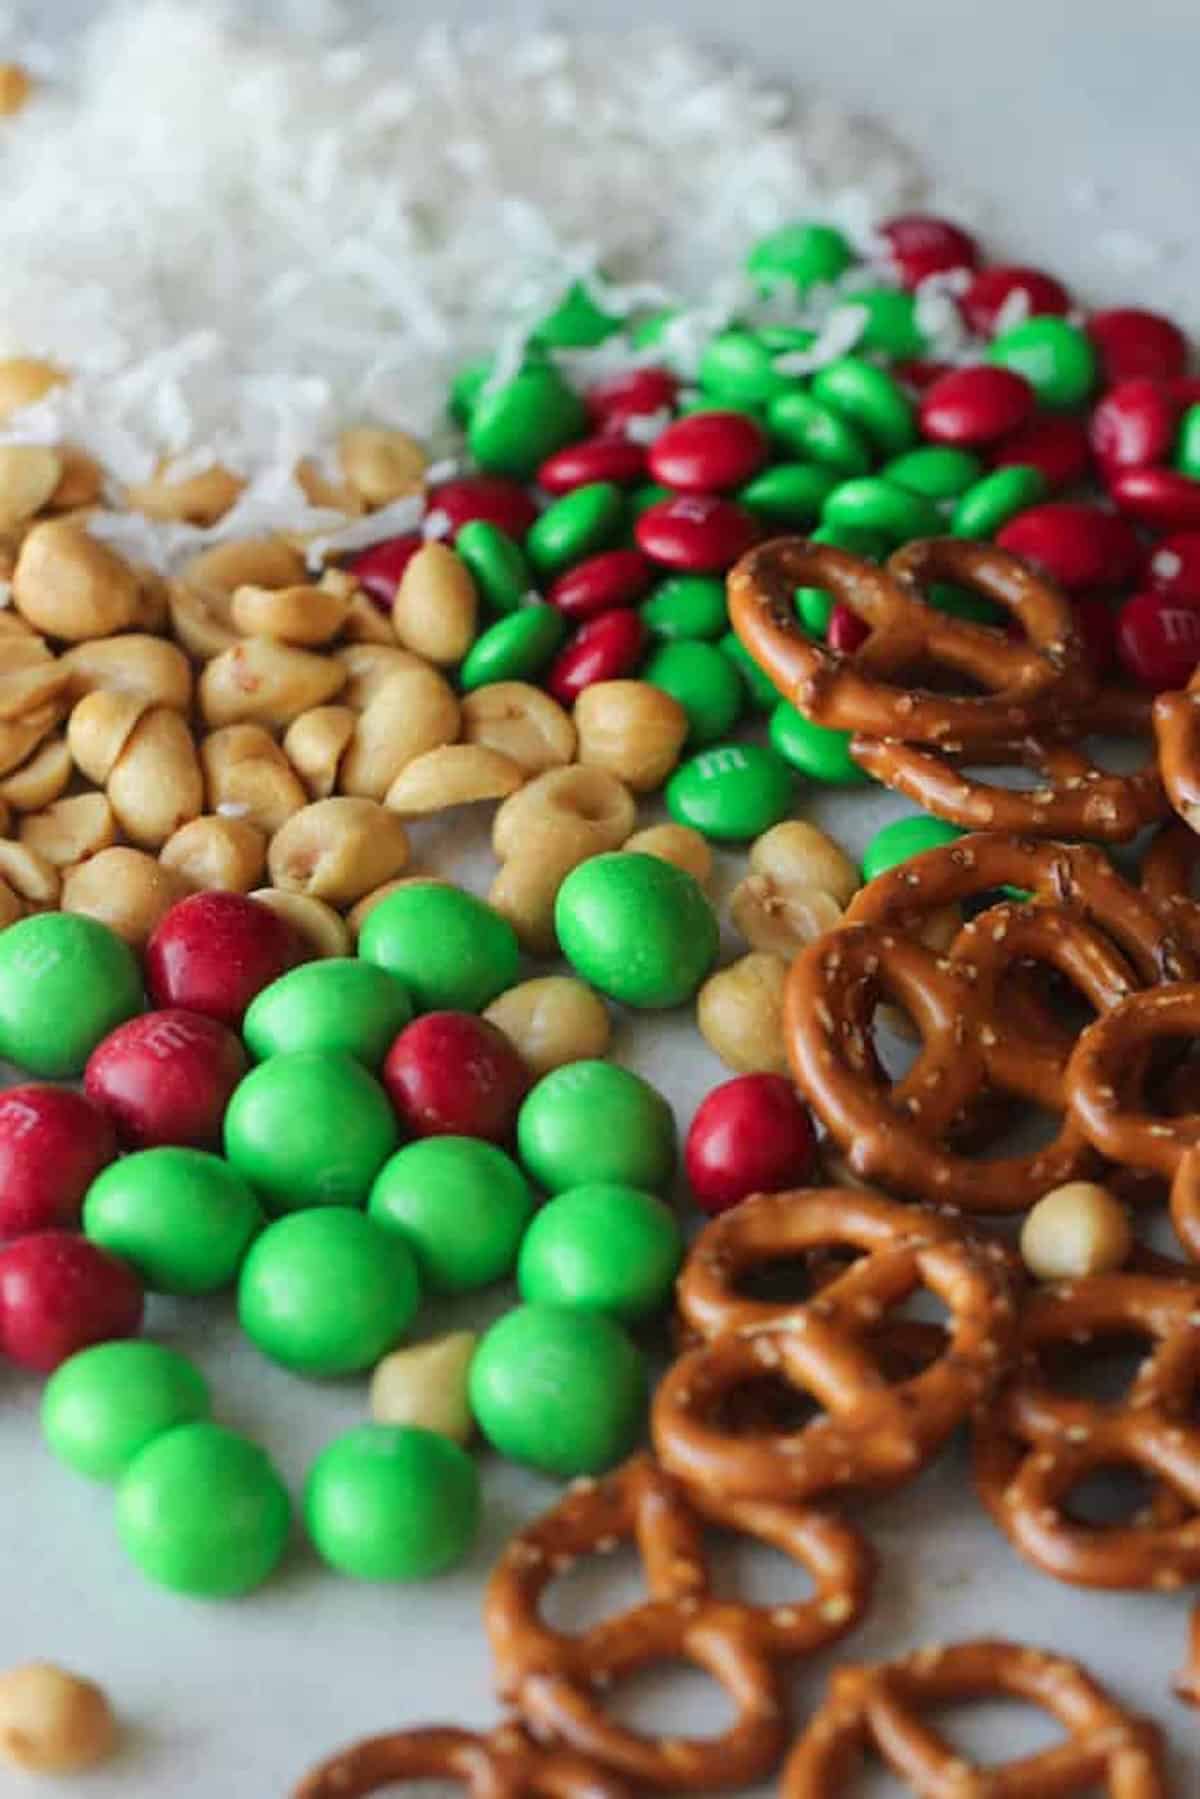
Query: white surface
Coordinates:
[1021,105]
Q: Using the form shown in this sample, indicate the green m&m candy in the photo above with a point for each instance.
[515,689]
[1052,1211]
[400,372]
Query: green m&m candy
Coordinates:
[595,1121]
[1187,443]
[515,648]
[497,563]
[872,503]
[992,501]
[514,426]
[1055,357]
[201,1510]
[891,322]
[602,1248]
[903,839]
[703,681]
[761,692]
[451,951]
[559,1389]
[312,1129]
[103,1406]
[803,255]
[337,1003]
[637,928]
[584,521]
[327,1292]
[578,322]
[466,385]
[686,606]
[935,471]
[870,399]
[818,751]
[460,1204]
[66,981]
[645,495]
[182,1218]
[738,368]
[790,493]
[392,1502]
[732,793]
[818,433]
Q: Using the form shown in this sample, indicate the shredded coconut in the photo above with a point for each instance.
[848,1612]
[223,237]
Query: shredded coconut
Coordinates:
[239,242]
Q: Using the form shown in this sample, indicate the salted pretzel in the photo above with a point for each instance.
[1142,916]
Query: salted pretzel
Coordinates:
[1168,868]
[1106,1750]
[896,1137]
[505,1765]
[870,689]
[1102,1079]
[871,1432]
[1177,729]
[557,1681]
[1036,1445]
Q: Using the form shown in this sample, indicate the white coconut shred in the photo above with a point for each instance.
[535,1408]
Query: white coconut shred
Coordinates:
[239,242]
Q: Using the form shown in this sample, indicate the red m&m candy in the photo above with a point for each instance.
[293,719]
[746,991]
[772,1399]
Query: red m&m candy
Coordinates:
[1054,443]
[212,952]
[1158,639]
[920,245]
[708,452]
[166,1077]
[1097,623]
[378,568]
[53,1144]
[1133,424]
[1131,342]
[1159,497]
[58,1294]
[993,289]
[452,1074]
[1174,567]
[970,407]
[845,630]
[493,498]
[751,1135]
[604,649]
[1075,544]
[697,533]
[610,458]
[599,583]
[639,393]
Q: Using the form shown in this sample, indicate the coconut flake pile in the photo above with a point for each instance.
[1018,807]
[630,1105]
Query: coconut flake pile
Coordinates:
[239,243]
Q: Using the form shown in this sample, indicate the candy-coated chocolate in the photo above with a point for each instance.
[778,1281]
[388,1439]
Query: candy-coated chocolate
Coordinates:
[920,244]
[516,424]
[493,498]
[390,1502]
[818,433]
[102,1407]
[454,1074]
[497,564]
[460,1205]
[732,793]
[1187,445]
[65,982]
[903,839]
[1054,443]
[1158,639]
[612,578]
[58,1294]
[578,322]
[760,691]
[790,493]
[750,1135]
[1097,621]
[637,928]
[996,292]
[845,632]
[378,568]
[1131,342]
[166,1077]
[800,255]
[450,950]
[1174,566]
[202,1511]
[338,1004]
[818,751]
[737,368]
[327,1292]
[579,524]
[974,407]
[594,1121]
[181,1218]
[604,649]
[602,1248]
[696,533]
[636,394]
[212,952]
[309,1129]
[892,322]
[702,680]
[871,503]
[1055,357]
[1133,424]
[560,1390]
[708,452]
[53,1144]
[870,399]
[936,471]
[687,606]
[987,507]
[1162,498]
[516,648]
[1078,545]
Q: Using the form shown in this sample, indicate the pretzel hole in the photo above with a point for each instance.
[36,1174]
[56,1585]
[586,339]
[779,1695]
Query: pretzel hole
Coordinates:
[755,1573]
[594,1588]
[671,1699]
[790,1280]
[766,1406]
[996,1729]
[1103,1369]
[1116,1494]
[1016,1130]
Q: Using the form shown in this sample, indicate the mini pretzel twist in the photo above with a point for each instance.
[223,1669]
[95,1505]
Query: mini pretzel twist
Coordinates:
[504,1765]
[866,691]
[1177,730]
[1036,1445]
[1107,1749]
[555,1680]
[871,1432]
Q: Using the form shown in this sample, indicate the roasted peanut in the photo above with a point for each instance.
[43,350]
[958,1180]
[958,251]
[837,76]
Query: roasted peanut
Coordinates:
[70,830]
[267,683]
[369,666]
[99,728]
[779,917]
[677,844]
[338,850]
[19,737]
[552,1021]
[136,663]
[314,745]
[247,775]
[71,585]
[1075,1231]
[381,465]
[16,85]
[24,380]
[365,623]
[43,778]
[29,475]
[31,877]
[199,499]
[300,615]
[29,677]
[10,906]
[225,853]
[318,924]
[576,811]
[319,490]
[201,619]
[156,785]
[154,603]
[426,1385]
[53,1722]
[525,889]
[740,1013]
[457,774]
[80,481]
[125,889]
[522,722]
[797,854]
[251,562]
[436,606]
[412,711]
[632,729]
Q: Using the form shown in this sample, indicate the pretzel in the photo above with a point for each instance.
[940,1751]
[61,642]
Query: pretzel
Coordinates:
[1177,730]
[504,1765]
[880,1708]
[1167,870]
[555,1679]
[1035,1445]
[870,1433]
[868,690]
[893,1137]
[1107,1060]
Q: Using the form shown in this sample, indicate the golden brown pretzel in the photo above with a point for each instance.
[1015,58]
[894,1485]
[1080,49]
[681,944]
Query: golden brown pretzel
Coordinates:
[1167,870]
[557,1681]
[1036,1445]
[504,1765]
[1177,729]
[871,1433]
[1106,1749]
[867,690]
